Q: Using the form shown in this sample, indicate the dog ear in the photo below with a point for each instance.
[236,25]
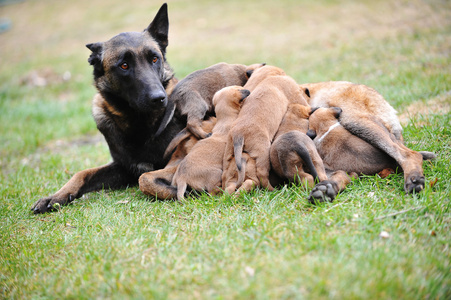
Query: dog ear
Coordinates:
[311,134]
[95,59]
[244,94]
[337,111]
[159,27]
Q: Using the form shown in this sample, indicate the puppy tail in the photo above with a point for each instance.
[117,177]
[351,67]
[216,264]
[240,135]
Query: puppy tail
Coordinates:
[180,137]
[241,173]
[303,153]
[238,144]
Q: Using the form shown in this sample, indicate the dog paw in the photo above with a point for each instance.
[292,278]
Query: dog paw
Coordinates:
[51,203]
[414,183]
[325,191]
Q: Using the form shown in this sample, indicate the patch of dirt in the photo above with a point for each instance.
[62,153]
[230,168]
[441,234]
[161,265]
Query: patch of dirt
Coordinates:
[439,105]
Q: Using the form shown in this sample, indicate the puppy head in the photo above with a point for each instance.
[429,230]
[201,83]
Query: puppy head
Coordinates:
[322,118]
[230,99]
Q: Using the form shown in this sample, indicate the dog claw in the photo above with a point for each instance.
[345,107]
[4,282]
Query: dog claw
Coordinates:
[414,184]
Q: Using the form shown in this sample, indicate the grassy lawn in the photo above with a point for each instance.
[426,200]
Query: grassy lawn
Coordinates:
[120,244]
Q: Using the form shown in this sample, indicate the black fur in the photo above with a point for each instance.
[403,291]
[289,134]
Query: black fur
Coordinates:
[131,75]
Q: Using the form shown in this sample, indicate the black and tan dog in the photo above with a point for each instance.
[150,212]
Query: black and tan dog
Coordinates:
[133,80]
[193,95]
[366,114]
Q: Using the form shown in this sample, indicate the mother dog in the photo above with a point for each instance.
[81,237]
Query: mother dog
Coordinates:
[133,81]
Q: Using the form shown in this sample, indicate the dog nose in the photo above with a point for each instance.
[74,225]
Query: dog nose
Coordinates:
[158,97]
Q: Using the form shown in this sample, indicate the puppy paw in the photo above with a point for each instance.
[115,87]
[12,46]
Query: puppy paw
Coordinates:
[414,183]
[325,191]
[51,203]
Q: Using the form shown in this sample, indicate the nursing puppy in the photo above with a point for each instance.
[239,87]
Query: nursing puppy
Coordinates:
[259,119]
[366,114]
[245,181]
[158,183]
[343,151]
[202,168]
[193,95]
[293,154]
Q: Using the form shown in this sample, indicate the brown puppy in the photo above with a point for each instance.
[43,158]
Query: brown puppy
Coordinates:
[202,168]
[259,119]
[293,154]
[341,150]
[158,183]
[246,180]
[368,115]
[193,95]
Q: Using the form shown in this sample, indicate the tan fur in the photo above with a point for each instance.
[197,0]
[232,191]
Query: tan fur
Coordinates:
[158,183]
[193,95]
[369,116]
[202,168]
[341,150]
[259,119]
[293,152]
[355,100]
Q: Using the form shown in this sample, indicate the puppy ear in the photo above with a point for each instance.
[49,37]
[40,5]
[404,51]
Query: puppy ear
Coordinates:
[337,111]
[159,27]
[95,59]
[311,134]
[244,94]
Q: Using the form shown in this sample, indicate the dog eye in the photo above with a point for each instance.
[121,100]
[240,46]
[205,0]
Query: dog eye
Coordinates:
[154,59]
[124,66]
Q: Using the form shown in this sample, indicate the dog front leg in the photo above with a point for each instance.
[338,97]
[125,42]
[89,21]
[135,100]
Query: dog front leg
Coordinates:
[110,176]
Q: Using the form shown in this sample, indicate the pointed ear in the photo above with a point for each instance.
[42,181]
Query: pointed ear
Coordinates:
[159,28]
[95,59]
[244,94]
[337,111]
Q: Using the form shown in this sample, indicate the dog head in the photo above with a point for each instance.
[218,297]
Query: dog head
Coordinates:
[229,100]
[132,66]
[321,119]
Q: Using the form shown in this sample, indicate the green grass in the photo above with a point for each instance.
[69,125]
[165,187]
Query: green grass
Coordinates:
[261,245]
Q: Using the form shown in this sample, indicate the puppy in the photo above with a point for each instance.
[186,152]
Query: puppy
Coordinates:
[366,114]
[193,95]
[341,150]
[259,119]
[202,168]
[158,183]
[293,154]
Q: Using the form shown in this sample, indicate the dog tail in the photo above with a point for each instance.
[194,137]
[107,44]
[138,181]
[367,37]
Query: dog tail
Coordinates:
[428,155]
[241,173]
[167,117]
[180,137]
[238,144]
[303,153]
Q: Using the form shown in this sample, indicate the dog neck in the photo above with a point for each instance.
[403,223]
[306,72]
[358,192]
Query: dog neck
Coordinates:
[328,131]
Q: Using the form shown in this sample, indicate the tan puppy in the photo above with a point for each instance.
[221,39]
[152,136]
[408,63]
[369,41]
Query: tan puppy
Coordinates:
[293,154]
[202,168]
[158,183]
[246,180]
[259,119]
[193,95]
[368,115]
